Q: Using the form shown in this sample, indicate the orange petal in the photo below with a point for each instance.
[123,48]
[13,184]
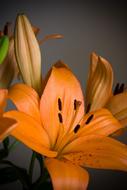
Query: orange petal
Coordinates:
[31,133]
[102,123]
[99,122]
[3,98]
[66,176]
[36,30]
[49,37]
[118,106]
[6,125]
[26,100]
[61,89]
[97,151]
[99,85]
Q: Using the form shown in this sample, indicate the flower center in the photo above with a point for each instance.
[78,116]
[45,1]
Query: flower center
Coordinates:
[64,134]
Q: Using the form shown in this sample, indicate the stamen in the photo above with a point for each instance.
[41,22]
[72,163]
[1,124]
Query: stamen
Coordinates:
[121,89]
[76,104]
[6,29]
[116,89]
[88,108]
[89,119]
[59,104]
[77,127]
[75,101]
[60,117]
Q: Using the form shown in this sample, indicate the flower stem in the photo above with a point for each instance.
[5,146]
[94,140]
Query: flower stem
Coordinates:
[13,145]
[31,167]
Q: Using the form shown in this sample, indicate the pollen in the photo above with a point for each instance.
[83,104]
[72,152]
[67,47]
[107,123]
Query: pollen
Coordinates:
[89,119]
[60,117]
[76,104]
[77,127]
[59,104]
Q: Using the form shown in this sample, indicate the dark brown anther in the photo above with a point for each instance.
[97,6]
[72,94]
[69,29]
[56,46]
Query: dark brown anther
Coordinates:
[121,88]
[75,104]
[88,108]
[60,118]
[116,89]
[6,29]
[1,33]
[59,104]
[89,119]
[77,127]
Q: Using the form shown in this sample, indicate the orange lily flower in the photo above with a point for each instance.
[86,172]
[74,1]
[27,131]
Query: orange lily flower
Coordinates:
[6,124]
[99,90]
[56,127]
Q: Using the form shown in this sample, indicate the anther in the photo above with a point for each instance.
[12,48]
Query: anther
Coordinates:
[121,89]
[89,119]
[60,118]
[77,127]
[59,104]
[116,89]
[6,29]
[88,108]
[75,104]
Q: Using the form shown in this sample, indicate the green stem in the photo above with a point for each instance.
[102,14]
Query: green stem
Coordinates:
[13,145]
[41,180]
[31,167]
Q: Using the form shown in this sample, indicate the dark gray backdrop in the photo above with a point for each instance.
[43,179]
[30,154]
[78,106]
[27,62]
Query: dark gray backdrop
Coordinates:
[87,26]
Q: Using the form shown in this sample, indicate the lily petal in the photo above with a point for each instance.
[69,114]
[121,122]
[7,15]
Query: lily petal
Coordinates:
[99,85]
[3,98]
[31,133]
[49,37]
[96,151]
[118,106]
[99,122]
[71,177]
[6,125]
[57,106]
[102,123]
[26,99]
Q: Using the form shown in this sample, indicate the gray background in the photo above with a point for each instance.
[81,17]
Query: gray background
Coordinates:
[87,26]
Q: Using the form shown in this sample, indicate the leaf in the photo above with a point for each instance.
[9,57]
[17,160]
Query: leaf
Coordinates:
[4,44]
[3,153]
[45,185]
[8,175]
[13,173]
[40,160]
[6,143]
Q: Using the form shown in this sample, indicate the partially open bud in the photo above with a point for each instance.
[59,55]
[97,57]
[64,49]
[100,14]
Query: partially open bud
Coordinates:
[27,53]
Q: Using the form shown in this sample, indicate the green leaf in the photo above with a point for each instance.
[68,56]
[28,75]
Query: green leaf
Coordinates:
[3,153]
[44,185]
[4,45]
[12,173]
[8,175]
[40,160]
[6,143]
